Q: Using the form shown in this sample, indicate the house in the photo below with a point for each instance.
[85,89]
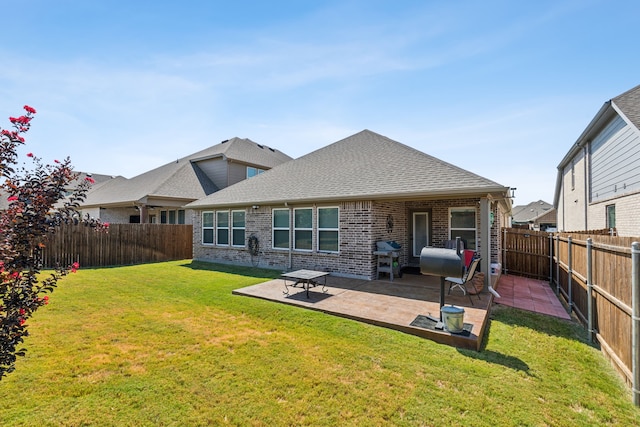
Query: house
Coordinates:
[328,209]
[158,196]
[598,183]
[538,215]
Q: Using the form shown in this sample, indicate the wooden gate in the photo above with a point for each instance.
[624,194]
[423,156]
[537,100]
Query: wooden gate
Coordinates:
[527,253]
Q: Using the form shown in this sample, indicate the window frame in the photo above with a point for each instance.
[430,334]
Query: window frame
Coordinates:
[219,229]
[258,171]
[274,229]
[233,228]
[207,228]
[297,229]
[475,224]
[336,229]
[607,215]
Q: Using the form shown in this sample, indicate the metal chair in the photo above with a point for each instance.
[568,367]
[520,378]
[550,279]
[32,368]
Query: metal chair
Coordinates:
[461,282]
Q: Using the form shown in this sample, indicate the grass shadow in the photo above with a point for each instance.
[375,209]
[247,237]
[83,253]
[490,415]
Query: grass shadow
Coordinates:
[233,269]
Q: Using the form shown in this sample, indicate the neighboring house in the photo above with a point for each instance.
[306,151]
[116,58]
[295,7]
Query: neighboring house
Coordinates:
[598,184]
[328,209]
[159,195]
[538,215]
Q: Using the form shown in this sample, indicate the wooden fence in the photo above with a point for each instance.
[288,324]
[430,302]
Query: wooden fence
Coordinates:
[527,253]
[598,277]
[122,244]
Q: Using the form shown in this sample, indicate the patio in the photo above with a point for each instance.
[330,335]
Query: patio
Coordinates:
[401,304]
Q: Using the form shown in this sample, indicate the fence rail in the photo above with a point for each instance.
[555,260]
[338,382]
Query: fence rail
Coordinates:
[122,244]
[598,276]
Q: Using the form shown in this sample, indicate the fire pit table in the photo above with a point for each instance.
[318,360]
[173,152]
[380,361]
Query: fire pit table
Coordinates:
[306,278]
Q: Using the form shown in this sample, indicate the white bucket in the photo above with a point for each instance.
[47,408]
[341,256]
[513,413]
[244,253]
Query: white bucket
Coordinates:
[495,268]
[453,318]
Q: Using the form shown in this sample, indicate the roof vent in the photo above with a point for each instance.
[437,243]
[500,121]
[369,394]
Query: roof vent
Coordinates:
[226,140]
[259,145]
[271,149]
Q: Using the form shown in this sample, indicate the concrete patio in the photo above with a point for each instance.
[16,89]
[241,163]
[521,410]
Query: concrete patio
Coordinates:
[401,304]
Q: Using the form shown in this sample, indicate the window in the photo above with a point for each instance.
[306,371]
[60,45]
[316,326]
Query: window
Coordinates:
[463,224]
[328,232]
[251,171]
[611,216]
[237,228]
[281,229]
[207,228]
[303,229]
[172,217]
[222,227]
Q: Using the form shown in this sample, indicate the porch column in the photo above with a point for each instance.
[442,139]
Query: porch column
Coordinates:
[144,214]
[485,241]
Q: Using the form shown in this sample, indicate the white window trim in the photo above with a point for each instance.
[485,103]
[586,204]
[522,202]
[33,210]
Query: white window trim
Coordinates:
[327,229]
[475,223]
[274,228]
[218,228]
[302,229]
[258,171]
[213,228]
[232,228]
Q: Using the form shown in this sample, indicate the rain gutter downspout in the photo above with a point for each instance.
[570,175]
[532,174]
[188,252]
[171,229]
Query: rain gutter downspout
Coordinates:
[587,183]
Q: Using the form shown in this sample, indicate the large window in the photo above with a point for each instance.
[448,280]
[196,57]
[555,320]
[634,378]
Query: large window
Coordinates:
[328,231]
[237,228]
[222,227]
[303,229]
[281,228]
[462,223]
[207,228]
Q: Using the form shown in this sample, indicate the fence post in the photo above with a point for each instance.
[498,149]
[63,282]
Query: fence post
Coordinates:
[557,237]
[589,289]
[550,259]
[570,275]
[635,320]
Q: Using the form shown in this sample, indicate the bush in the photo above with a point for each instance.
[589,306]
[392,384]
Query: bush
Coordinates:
[37,203]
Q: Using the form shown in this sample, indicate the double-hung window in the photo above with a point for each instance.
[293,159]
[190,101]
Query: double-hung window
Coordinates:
[222,228]
[328,231]
[207,228]
[237,228]
[462,223]
[280,229]
[303,229]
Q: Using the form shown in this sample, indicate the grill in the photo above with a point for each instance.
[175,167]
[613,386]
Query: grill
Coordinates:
[443,263]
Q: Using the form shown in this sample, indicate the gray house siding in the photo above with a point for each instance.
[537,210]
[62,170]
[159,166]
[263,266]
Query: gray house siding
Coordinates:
[216,169]
[615,161]
[237,172]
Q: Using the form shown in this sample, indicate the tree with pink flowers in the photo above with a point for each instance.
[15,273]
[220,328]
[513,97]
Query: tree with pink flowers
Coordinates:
[37,203]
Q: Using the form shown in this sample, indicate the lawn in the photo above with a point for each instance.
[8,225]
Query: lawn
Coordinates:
[169,345]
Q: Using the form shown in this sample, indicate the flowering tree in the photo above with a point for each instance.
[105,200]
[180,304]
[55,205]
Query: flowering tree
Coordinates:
[37,203]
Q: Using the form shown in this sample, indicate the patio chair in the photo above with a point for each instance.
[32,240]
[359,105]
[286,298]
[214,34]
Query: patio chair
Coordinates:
[461,282]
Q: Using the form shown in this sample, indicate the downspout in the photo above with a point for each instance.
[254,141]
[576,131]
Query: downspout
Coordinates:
[485,245]
[290,267]
[587,182]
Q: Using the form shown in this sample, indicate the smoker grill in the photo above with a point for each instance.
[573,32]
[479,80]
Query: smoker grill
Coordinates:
[443,263]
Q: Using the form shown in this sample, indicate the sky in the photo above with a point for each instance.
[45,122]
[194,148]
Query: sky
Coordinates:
[500,88]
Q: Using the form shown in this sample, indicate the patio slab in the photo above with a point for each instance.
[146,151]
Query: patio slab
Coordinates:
[392,304]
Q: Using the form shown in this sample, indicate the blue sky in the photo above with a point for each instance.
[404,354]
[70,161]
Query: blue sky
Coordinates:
[500,88]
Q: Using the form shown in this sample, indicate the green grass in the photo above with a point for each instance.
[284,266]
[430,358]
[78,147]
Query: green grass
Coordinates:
[169,345]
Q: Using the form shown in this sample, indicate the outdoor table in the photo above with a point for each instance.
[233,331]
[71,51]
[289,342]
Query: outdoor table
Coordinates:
[306,278]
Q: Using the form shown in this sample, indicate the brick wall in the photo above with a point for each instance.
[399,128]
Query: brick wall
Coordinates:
[362,224]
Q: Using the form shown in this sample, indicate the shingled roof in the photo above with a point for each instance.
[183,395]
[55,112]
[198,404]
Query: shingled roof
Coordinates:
[629,105]
[183,179]
[364,166]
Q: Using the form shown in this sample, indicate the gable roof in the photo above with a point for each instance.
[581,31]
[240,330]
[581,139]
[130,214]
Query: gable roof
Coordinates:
[531,211]
[626,105]
[183,179]
[363,166]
